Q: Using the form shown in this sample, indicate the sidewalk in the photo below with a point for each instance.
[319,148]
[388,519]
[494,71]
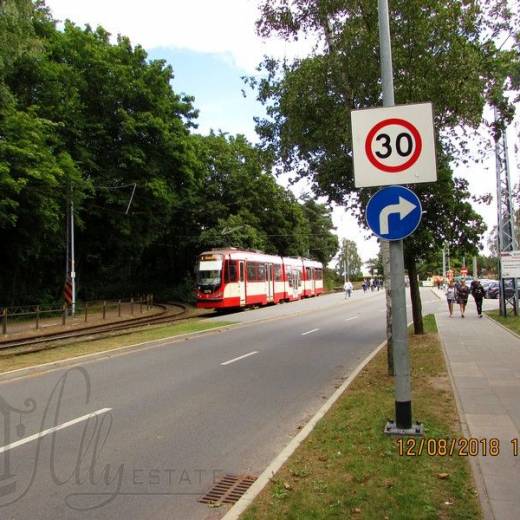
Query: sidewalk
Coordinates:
[484,363]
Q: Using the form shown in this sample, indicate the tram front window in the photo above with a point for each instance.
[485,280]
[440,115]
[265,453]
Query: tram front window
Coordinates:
[209,276]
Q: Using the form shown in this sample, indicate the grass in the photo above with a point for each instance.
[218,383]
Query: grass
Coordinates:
[347,468]
[511,322]
[18,359]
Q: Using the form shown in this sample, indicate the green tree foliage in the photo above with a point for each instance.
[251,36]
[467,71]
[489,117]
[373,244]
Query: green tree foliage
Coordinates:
[443,52]
[349,256]
[97,121]
[323,244]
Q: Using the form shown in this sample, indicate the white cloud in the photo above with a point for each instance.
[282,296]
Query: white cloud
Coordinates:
[216,26]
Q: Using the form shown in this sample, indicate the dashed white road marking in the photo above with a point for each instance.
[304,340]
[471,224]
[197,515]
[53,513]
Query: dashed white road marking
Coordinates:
[39,435]
[352,318]
[239,358]
[310,332]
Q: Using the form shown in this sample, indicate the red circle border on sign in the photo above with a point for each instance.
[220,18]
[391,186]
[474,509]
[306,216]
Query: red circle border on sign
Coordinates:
[400,167]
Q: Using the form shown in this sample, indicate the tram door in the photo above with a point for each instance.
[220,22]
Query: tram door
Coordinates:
[313,278]
[269,279]
[242,284]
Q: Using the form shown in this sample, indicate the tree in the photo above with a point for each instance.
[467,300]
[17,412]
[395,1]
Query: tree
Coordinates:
[349,259]
[323,243]
[441,53]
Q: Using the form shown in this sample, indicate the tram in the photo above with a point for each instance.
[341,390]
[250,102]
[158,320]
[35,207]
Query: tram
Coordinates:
[233,278]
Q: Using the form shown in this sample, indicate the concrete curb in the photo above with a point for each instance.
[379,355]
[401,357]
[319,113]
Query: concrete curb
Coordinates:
[485,504]
[145,345]
[106,354]
[244,502]
[495,322]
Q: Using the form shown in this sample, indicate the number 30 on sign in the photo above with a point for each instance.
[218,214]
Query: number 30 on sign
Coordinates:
[393,145]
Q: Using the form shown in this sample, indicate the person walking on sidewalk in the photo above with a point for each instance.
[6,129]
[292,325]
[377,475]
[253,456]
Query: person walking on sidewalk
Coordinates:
[478,293]
[450,296]
[462,294]
[348,289]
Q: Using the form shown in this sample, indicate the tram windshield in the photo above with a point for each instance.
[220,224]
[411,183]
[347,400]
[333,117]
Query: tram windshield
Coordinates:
[209,275]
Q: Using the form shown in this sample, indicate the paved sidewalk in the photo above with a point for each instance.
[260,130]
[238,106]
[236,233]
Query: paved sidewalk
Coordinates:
[484,361]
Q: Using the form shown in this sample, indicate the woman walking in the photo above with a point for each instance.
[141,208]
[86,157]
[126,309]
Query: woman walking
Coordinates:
[450,296]
[478,293]
[462,297]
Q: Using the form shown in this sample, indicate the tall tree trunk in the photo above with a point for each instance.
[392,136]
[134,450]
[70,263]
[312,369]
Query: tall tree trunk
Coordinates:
[411,267]
[385,253]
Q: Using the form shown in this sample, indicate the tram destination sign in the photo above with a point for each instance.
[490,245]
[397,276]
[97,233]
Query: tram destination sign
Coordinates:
[510,264]
[393,145]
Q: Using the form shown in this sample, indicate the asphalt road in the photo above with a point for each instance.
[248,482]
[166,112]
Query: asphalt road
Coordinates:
[174,417]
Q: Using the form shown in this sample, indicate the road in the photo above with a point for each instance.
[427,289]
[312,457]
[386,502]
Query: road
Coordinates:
[172,418]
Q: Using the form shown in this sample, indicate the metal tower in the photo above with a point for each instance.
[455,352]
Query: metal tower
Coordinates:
[505,214]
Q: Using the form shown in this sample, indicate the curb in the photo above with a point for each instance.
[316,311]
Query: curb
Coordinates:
[106,354]
[478,478]
[145,345]
[495,322]
[265,477]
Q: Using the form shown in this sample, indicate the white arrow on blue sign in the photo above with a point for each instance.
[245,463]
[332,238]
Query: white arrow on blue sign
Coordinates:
[393,213]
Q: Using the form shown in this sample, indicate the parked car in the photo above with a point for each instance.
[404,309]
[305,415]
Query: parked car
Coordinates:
[493,289]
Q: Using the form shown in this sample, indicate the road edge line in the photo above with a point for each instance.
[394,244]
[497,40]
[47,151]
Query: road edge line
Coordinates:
[476,471]
[265,477]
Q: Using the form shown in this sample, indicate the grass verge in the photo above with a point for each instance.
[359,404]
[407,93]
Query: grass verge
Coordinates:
[14,360]
[347,468]
[511,322]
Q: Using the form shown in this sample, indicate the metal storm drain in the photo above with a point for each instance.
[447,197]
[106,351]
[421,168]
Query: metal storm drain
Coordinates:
[228,490]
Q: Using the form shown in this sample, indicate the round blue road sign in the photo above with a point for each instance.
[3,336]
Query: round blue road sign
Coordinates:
[393,213]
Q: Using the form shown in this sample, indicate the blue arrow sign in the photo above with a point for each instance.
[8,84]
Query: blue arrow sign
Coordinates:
[393,213]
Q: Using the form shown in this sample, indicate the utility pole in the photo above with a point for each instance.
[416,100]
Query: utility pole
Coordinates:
[506,240]
[72,256]
[403,391]
[444,262]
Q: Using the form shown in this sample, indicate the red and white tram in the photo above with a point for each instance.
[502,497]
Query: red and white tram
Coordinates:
[228,278]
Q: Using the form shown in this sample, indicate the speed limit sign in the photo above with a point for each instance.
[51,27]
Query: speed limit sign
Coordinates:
[393,145]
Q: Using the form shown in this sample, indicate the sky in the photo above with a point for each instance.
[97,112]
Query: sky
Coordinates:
[211,45]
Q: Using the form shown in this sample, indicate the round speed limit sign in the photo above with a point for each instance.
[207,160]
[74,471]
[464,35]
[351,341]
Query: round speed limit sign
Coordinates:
[393,145]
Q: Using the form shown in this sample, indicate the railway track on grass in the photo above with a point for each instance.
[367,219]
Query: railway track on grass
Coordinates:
[170,312]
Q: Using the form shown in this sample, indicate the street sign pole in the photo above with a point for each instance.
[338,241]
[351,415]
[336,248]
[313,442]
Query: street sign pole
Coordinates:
[403,396]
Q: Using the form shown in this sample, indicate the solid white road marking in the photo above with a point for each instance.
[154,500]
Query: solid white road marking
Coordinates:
[39,435]
[352,318]
[239,358]
[310,332]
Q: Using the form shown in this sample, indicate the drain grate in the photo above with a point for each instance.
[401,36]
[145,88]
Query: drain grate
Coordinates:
[228,489]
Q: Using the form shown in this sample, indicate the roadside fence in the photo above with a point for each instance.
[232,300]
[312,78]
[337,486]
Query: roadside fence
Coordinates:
[23,317]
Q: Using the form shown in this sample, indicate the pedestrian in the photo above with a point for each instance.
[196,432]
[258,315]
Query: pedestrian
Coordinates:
[450,296]
[478,292]
[348,289]
[364,286]
[378,284]
[372,285]
[462,294]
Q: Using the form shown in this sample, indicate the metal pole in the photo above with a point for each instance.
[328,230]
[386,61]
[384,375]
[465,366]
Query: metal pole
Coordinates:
[72,260]
[4,321]
[475,270]
[403,395]
[443,264]
[37,317]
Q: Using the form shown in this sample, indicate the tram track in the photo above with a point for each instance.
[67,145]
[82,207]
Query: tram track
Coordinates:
[170,312]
